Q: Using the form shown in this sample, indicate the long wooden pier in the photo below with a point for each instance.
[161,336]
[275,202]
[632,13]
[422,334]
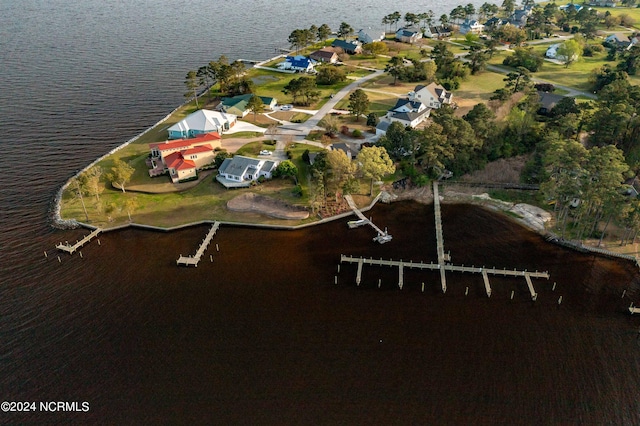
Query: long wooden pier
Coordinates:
[193,260]
[73,248]
[439,237]
[445,267]
[383,236]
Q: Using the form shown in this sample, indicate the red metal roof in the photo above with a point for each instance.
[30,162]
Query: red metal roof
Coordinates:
[176,161]
[186,143]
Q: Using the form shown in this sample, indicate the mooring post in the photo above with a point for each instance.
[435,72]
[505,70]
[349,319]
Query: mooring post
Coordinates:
[338,268]
[554,286]
[211,258]
[335,279]
[217,248]
[379,282]
[466,291]
[45,254]
[98,241]
[59,260]
[623,293]
[560,300]
[512,292]
[80,254]
[423,287]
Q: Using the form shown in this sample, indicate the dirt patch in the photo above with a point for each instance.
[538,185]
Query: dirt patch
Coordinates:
[504,170]
[267,206]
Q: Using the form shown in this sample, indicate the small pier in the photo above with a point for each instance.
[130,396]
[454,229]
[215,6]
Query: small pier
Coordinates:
[382,237]
[634,310]
[193,260]
[485,272]
[73,248]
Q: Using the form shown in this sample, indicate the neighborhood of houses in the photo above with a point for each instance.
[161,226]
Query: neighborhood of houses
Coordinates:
[192,143]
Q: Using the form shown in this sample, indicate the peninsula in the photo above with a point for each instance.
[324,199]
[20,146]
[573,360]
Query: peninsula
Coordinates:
[519,108]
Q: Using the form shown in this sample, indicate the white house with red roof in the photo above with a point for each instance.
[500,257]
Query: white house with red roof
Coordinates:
[183,158]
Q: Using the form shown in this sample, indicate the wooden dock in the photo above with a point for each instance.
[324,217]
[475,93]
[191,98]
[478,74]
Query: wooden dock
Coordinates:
[485,272]
[442,257]
[73,248]
[634,310]
[382,237]
[193,260]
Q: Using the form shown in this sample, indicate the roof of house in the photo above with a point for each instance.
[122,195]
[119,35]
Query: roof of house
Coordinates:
[267,166]
[299,61]
[325,52]
[436,90]
[203,120]
[185,143]
[240,102]
[619,37]
[197,150]
[178,162]
[549,100]
[407,32]
[345,45]
[383,125]
[349,148]
[238,165]
[414,105]
[411,116]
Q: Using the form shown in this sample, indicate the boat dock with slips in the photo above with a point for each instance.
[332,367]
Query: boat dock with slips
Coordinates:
[73,248]
[382,237]
[446,267]
[193,260]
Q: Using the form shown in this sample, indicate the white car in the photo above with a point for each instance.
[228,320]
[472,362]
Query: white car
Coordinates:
[265,152]
[286,107]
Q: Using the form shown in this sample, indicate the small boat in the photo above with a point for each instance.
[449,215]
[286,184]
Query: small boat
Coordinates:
[357,223]
[383,238]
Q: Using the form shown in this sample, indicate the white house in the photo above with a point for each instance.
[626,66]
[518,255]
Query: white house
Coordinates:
[240,171]
[408,35]
[298,63]
[369,36]
[552,53]
[202,121]
[433,95]
[471,26]
[406,112]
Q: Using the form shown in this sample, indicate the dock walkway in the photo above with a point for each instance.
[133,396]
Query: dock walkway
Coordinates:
[446,267]
[73,248]
[383,236]
[439,237]
[193,260]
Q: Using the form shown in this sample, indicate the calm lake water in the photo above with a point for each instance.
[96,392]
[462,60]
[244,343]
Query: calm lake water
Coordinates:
[277,342]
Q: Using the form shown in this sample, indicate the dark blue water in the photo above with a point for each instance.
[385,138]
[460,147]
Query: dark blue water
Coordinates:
[263,335]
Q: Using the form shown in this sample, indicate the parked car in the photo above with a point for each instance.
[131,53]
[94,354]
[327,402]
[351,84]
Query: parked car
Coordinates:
[265,152]
[287,107]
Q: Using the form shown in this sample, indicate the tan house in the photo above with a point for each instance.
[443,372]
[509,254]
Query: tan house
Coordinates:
[183,158]
[326,55]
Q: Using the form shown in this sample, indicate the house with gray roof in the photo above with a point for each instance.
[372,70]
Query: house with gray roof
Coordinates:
[200,122]
[240,171]
[408,35]
[407,112]
[369,36]
[352,47]
[432,95]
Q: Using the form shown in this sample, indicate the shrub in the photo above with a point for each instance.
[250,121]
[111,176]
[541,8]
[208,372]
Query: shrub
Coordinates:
[344,130]
[357,133]
[297,190]
[270,142]
[261,179]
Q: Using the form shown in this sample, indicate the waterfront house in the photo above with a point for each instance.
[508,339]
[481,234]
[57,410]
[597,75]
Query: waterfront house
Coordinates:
[519,17]
[297,63]
[571,6]
[326,54]
[237,105]
[200,122]
[409,113]
[432,95]
[369,36]
[352,47]
[548,101]
[472,26]
[621,41]
[184,157]
[438,31]
[240,171]
[408,35]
